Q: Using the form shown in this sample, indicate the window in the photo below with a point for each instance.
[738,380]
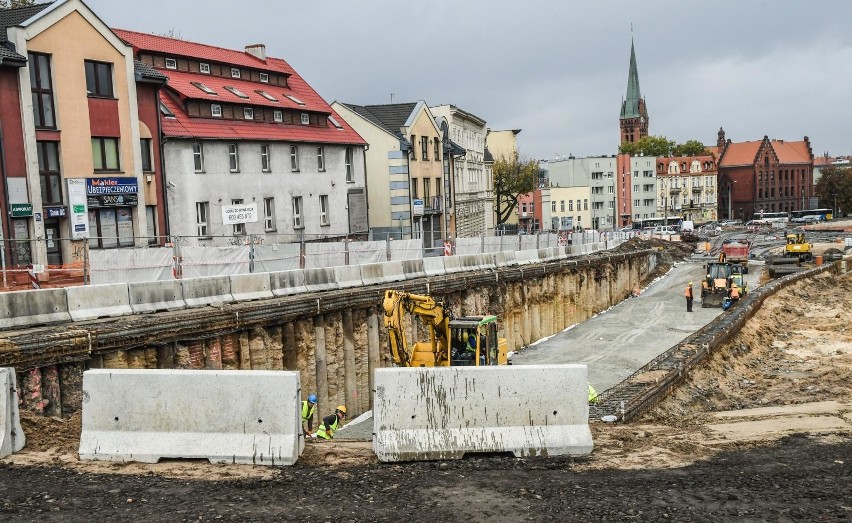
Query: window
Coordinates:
[306,119]
[248,113]
[320,159]
[295,100]
[570,205]
[334,122]
[427,190]
[414,188]
[561,206]
[165,111]
[171,63]
[202,211]
[233,157]
[110,228]
[266,95]
[269,214]
[99,79]
[347,160]
[48,170]
[236,92]
[239,228]
[105,154]
[585,205]
[198,157]
[204,68]
[264,78]
[235,73]
[323,200]
[297,213]
[413,146]
[424,147]
[437,151]
[294,158]
[264,158]
[145,145]
[216,110]
[204,88]
[278,116]
[42,91]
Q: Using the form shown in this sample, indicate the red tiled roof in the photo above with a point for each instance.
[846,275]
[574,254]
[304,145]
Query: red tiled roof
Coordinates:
[791,152]
[182,83]
[740,153]
[824,161]
[172,46]
[713,149]
[183,126]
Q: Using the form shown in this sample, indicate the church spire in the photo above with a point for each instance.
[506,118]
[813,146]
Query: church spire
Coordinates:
[634,113]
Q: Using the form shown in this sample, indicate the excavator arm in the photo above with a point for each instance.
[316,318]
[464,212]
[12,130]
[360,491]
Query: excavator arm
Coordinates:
[430,313]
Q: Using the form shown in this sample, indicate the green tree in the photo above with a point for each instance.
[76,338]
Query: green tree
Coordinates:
[11,4]
[512,178]
[690,148]
[649,146]
[835,182]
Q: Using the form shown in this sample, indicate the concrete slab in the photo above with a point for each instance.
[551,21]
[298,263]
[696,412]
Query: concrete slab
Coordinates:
[198,292]
[12,437]
[244,417]
[35,307]
[247,287]
[444,413]
[152,296]
[287,283]
[88,302]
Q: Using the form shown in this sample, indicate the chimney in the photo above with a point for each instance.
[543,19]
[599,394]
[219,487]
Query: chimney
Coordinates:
[257,50]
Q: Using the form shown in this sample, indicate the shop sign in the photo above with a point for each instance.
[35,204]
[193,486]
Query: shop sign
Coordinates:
[113,200]
[55,212]
[118,185]
[22,210]
[79,211]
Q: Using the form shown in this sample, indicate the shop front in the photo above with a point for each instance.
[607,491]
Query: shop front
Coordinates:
[110,203]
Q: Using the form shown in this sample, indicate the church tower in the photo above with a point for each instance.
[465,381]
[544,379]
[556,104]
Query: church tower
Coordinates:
[634,113]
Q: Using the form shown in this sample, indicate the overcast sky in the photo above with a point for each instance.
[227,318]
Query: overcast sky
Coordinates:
[556,69]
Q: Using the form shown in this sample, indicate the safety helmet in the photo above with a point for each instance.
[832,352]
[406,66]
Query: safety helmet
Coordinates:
[312,399]
[464,336]
[342,408]
[690,284]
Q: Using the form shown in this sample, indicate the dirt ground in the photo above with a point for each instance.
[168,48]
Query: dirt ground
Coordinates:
[762,432]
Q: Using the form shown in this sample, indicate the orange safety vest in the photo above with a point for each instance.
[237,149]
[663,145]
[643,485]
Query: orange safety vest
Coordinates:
[735,292]
[688,292]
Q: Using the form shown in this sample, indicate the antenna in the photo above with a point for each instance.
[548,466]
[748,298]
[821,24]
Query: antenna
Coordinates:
[392,97]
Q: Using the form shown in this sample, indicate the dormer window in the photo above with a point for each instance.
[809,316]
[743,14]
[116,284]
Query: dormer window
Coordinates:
[204,68]
[216,110]
[264,78]
[278,116]
[306,119]
[267,96]
[204,88]
[165,111]
[171,63]
[248,113]
[236,91]
[334,122]
[235,73]
[295,100]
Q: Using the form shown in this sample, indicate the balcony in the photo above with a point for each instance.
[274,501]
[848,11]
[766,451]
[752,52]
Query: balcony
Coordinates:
[433,204]
[674,190]
[696,190]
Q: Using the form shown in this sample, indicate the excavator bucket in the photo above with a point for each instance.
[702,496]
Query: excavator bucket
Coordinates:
[712,300]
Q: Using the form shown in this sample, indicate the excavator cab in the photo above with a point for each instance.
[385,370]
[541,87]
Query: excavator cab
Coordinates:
[474,342]
[715,286]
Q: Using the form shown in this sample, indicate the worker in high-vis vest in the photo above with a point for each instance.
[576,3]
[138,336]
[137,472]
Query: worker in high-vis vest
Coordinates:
[308,408]
[332,423]
[593,395]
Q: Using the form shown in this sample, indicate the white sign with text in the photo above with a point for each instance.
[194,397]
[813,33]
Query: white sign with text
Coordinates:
[243,213]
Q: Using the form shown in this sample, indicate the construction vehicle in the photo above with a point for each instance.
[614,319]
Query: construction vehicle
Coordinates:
[717,283]
[797,246]
[468,340]
[736,252]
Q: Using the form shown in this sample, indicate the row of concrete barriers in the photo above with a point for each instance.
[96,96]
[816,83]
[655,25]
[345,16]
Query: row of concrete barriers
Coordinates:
[34,307]
[253,417]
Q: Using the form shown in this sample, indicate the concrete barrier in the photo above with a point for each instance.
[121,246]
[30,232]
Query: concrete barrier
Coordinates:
[347,276]
[320,279]
[435,266]
[528,256]
[152,296]
[287,283]
[198,292]
[442,413]
[88,302]
[395,270]
[12,438]
[33,307]
[466,262]
[247,287]
[246,417]
[387,272]
[504,258]
[486,261]
[413,269]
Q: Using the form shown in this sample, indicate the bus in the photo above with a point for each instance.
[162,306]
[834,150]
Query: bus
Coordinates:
[771,217]
[822,214]
[672,221]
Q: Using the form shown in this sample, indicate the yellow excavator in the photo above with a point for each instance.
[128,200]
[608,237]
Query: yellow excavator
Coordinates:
[469,340]
[797,246]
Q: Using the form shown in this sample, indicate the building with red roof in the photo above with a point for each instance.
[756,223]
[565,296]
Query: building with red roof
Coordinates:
[763,176]
[250,147]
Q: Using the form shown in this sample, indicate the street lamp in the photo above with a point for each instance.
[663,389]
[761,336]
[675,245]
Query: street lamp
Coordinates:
[730,198]
[834,209]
